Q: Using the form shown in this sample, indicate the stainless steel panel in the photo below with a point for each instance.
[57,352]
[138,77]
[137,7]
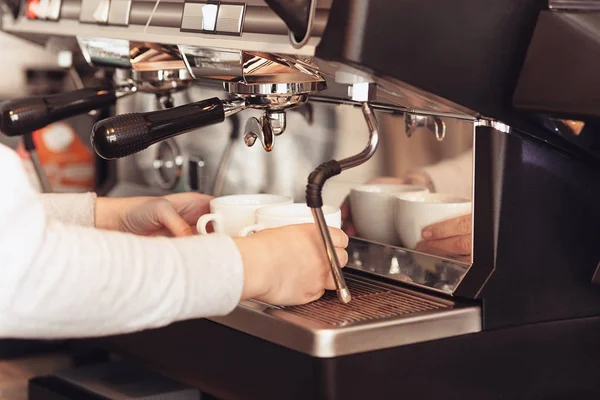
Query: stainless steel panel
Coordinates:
[413,268]
[119,12]
[579,5]
[380,316]
[70,9]
[264,20]
[167,14]
[105,52]
[201,17]
[230,19]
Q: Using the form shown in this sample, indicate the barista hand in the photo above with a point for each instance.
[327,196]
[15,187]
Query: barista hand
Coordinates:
[288,265]
[173,215]
[450,239]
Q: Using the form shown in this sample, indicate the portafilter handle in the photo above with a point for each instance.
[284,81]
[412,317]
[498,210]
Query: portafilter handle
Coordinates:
[22,116]
[126,134]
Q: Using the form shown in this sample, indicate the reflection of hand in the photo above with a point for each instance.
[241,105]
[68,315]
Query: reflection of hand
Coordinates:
[347,224]
[173,215]
[289,265]
[450,239]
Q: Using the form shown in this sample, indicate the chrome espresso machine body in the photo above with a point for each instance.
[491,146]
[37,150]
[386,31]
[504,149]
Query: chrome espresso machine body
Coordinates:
[520,321]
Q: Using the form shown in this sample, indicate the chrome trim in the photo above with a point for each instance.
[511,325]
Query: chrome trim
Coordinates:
[160,81]
[160,165]
[497,125]
[102,52]
[575,5]
[369,150]
[410,267]
[230,19]
[274,89]
[434,124]
[342,290]
[234,106]
[343,293]
[293,330]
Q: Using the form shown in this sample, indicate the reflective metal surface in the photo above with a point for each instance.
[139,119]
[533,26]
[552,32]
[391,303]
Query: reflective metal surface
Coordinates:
[410,267]
[581,5]
[379,317]
[147,56]
[499,126]
[168,164]
[105,52]
[343,293]
[159,82]
[435,124]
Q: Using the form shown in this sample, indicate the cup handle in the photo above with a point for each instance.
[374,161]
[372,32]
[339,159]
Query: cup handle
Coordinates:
[251,229]
[206,219]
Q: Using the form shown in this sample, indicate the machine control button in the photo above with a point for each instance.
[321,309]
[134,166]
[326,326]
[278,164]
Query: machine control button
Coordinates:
[230,18]
[94,11]
[53,10]
[199,17]
[119,11]
[42,9]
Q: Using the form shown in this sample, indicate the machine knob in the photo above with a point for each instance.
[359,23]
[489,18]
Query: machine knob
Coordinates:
[21,116]
[127,134]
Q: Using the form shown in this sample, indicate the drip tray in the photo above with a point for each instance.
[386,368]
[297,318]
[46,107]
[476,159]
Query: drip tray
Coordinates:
[379,316]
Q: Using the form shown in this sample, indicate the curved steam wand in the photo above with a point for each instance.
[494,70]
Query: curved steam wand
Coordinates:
[314,198]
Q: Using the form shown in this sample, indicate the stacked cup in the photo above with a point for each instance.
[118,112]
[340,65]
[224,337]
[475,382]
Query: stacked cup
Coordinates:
[395,214]
[241,215]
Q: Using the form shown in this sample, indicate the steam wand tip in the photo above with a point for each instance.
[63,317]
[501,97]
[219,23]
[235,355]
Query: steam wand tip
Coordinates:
[344,295]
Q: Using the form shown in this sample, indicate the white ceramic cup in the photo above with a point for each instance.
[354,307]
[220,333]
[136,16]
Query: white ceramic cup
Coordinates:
[229,214]
[373,210]
[290,214]
[415,211]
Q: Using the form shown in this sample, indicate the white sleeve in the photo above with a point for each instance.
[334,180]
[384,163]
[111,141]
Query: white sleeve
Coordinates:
[62,281]
[453,176]
[71,208]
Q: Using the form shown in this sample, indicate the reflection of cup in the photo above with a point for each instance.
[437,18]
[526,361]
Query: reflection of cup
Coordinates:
[373,211]
[291,214]
[229,214]
[415,211]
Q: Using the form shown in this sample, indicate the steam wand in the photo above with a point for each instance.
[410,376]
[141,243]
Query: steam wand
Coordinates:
[314,198]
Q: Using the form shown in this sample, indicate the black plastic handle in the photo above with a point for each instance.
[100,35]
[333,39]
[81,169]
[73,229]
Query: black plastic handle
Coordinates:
[127,134]
[21,116]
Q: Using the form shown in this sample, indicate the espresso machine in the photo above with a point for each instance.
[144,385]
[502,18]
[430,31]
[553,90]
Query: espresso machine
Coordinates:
[519,321]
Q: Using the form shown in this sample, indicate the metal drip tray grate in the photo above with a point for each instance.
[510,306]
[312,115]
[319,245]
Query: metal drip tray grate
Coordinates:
[379,316]
[368,302]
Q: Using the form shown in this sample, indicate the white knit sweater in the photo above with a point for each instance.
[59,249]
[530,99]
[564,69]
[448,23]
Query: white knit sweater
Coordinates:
[60,277]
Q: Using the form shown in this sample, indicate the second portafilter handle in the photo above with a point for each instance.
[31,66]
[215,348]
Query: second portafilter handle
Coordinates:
[22,116]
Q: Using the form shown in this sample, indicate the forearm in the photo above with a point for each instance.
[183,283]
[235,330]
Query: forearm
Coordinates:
[71,208]
[86,209]
[108,211]
[81,282]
